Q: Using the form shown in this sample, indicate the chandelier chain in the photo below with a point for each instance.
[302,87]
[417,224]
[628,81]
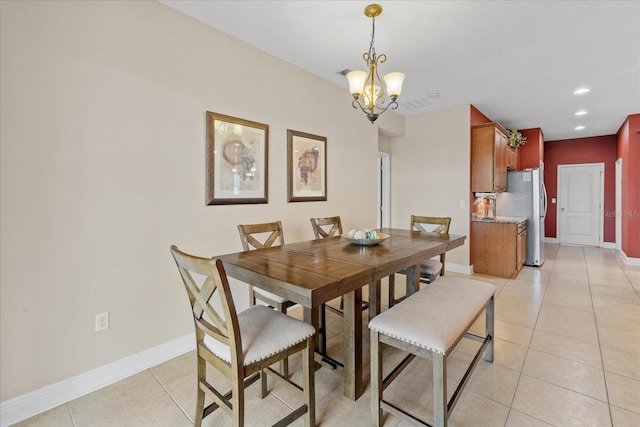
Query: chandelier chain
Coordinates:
[372,45]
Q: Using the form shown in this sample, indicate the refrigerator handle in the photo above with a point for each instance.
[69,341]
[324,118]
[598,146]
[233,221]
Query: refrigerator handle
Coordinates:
[544,195]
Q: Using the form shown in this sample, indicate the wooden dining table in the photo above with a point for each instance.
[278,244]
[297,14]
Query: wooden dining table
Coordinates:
[314,272]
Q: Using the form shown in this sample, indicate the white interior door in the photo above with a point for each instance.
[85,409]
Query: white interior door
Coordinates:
[580,200]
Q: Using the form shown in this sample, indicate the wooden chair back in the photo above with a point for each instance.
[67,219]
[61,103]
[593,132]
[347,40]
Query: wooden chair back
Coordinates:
[221,326]
[326,227]
[258,236]
[442,223]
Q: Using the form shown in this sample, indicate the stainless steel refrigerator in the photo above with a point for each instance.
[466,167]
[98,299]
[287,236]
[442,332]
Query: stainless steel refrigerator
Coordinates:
[526,196]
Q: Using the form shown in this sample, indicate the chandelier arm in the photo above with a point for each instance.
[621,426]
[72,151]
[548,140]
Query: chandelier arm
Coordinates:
[356,104]
[380,59]
[393,105]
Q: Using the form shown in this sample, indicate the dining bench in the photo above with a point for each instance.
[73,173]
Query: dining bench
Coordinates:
[430,324]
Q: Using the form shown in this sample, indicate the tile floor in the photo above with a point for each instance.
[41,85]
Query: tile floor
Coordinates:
[567,354]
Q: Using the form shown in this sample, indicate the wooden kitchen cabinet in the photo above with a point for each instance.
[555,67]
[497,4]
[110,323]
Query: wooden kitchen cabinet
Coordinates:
[513,158]
[499,248]
[521,245]
[488,158]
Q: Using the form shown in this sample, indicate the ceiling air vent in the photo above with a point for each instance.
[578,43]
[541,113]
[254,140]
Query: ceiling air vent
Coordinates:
[416,103]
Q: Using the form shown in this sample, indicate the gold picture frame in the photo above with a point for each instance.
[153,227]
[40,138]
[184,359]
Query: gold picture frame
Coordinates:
[306,167]
[237,161]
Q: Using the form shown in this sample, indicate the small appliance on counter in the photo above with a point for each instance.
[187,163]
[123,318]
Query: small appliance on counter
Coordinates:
[485,206]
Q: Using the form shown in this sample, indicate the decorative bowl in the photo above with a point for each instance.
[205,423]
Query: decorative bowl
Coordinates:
[367,242]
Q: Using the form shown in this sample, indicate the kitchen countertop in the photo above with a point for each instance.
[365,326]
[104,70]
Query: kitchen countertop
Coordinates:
[502,219]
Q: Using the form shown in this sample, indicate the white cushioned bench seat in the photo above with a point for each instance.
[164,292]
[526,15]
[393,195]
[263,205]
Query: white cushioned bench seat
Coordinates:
[429,324]
[438,316]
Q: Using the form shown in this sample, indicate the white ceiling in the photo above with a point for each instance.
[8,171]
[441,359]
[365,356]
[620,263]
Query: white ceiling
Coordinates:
[518,62]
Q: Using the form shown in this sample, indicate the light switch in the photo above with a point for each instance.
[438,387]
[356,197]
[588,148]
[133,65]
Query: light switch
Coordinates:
[553,200]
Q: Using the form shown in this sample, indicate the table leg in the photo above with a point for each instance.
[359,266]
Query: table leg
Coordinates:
[353,344]
[310,315]
[413,280]
[374,298]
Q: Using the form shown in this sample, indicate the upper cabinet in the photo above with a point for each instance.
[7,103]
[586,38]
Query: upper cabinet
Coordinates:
[489,158]
[513,158]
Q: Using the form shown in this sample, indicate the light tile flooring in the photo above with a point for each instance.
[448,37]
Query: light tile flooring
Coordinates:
[567,354]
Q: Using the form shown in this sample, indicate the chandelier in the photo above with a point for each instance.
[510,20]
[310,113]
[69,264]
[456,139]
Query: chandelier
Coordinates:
[369,91]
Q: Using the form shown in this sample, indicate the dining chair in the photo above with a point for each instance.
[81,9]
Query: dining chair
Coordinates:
[430,269]
[259,236]
[326,227]
[242,345]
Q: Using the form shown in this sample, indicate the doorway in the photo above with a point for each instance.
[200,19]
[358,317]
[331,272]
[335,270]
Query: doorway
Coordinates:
[384,189]
[580,201]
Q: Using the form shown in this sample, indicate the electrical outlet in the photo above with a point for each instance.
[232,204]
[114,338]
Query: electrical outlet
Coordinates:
[102,321]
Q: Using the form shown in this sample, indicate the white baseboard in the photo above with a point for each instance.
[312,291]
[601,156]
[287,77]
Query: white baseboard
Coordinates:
[629,261]
[608,245]
[551,240]
[35,402]
[459,268]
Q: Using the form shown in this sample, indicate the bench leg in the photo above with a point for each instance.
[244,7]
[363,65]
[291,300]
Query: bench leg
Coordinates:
[376,379]
[488,356]
[439,390]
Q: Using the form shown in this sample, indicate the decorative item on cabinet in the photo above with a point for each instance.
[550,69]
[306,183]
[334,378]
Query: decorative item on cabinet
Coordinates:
[516,140]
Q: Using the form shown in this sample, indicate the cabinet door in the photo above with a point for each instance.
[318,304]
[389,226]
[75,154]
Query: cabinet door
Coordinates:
[488,158]
[512,159]
[482,152]
[500,166]
[521,249]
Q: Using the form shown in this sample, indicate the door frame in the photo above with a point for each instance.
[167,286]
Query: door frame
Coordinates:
[618,216]
[384,189]
[601,201]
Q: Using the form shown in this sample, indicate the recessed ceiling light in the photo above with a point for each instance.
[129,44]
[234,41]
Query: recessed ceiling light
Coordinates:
[581,91]
[579,127]
[580,113]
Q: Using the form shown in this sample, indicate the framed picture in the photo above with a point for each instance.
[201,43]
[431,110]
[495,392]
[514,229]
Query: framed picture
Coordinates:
[306,167]
[237,160]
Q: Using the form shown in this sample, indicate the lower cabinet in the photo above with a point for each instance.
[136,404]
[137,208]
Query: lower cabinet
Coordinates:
[499,249]
[521,245]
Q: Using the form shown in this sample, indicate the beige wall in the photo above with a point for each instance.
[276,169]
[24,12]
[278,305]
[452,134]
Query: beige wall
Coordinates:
[430,172]
[102,168]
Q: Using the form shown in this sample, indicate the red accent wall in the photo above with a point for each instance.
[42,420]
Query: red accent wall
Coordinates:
[628,149]
[532,152]
[600,149]
[477,118]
